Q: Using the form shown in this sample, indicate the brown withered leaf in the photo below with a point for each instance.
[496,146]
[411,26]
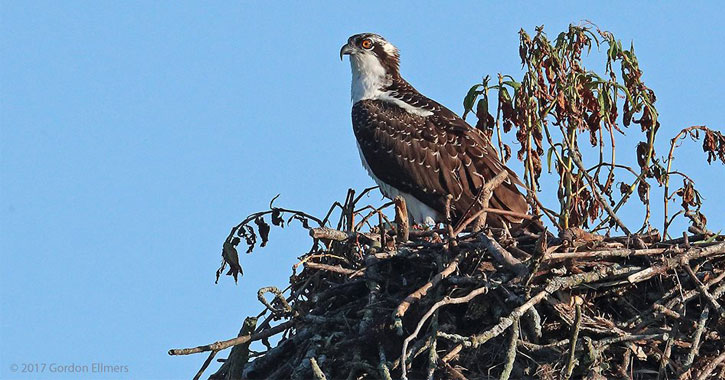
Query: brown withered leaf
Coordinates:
[643,191]
[506,153]
[642,152]
[506,106]
[277,219]
[263,229]
[627,117]
[247,232]
[688,194]
[485,119]
[624,188]
[658,172]
[595,209]
[697,219]
[710,145]
[593,120]
[230,257]
[549,70]
[302,219]
[645,121]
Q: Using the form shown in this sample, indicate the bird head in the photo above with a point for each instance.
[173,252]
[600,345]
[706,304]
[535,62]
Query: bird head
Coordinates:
[374,61]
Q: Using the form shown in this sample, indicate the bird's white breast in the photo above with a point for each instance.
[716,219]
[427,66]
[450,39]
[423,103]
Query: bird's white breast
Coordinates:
[418,211]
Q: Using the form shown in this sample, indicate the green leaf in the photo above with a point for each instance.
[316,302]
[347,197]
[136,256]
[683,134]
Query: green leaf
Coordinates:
[548,157]
[513,84]
[470,98]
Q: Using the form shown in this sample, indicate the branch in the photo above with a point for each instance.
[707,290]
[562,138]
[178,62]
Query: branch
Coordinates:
[436,306]
[218,346]
[602,201]
[484,195]
[503,256]
[423,290]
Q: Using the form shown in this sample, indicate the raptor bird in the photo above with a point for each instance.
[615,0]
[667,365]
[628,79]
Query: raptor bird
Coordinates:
[414,147]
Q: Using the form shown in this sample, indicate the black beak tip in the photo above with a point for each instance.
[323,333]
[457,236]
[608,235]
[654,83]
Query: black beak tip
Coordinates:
[345,50]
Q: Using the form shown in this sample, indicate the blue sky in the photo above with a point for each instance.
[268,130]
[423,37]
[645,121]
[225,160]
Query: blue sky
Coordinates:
[134,134]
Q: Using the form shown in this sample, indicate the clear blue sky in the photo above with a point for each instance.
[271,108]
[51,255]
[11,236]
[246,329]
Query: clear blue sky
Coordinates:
[136,133]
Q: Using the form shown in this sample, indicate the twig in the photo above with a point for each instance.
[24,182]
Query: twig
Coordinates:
[455,374]
[668,172]
[277,295]
[401,219]
[330,268]
[511,352]
[218,346]
[503,256]
[606,253]
[325,233]
[423,290]
[316,370]
[703,291]
[701,322]
[443,302]
[383,366]
[711,365]
[452,353]
[691,254]
[205,365]
[574,336]
[485,195]
[538,347]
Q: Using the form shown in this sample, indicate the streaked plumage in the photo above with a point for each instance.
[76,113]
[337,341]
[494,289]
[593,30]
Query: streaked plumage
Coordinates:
[413,146]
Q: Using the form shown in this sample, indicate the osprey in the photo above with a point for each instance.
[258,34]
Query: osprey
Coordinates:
[414,147]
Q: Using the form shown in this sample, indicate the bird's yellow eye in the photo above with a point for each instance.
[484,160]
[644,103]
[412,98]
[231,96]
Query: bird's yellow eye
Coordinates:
[366,43]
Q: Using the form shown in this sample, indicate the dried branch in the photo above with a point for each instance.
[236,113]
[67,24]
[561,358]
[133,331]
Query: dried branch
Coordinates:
[218,346]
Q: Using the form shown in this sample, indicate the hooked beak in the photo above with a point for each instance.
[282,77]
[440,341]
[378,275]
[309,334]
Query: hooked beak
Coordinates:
[346,50]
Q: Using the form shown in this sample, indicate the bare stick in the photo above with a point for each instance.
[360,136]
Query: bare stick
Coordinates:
[401,219]
[573,339]
[601,254]
[218,346]
[455,374]
[503,256]
[325,233]
[702,321]
[316,370]
[205,365]
[443,302]
[452,353]
[694,253]
[330,268]
[423,290]
[705,373]
[383,369]
[511,352]
[703,291]
[668,172]
[485,193]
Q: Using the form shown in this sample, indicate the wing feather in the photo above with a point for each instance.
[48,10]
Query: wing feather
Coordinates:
[432,156]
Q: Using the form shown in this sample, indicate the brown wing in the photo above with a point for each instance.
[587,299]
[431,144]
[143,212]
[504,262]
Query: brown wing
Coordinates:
[431,157]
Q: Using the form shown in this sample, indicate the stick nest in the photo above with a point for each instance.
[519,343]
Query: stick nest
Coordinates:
[494,303]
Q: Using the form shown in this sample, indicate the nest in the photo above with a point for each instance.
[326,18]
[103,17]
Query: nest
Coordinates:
[494,303]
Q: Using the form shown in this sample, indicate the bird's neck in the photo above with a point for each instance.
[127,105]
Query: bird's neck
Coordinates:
[370,79]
